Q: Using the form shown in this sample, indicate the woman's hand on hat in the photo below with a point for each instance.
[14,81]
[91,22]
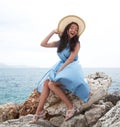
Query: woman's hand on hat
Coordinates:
[56,31]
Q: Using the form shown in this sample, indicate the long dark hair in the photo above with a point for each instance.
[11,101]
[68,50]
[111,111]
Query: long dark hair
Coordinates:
[64,39]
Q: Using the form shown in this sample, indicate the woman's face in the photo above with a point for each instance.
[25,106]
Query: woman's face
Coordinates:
[73,30]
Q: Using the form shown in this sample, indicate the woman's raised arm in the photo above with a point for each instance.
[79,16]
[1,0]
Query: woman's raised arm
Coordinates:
[46,43]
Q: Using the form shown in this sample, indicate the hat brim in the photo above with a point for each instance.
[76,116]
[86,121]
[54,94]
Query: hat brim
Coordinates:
[67,20]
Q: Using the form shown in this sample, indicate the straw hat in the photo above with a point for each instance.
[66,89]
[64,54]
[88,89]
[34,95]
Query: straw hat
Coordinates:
[68,19]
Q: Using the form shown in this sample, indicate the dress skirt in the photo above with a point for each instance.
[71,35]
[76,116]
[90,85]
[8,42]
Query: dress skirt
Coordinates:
[71,78]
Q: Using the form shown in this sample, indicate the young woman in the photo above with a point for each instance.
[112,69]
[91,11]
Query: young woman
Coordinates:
[67,73]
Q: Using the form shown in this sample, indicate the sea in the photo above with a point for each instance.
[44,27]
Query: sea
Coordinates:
[16,84]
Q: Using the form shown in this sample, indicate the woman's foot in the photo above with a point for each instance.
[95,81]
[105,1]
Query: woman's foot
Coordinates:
[70,113]
[36,117]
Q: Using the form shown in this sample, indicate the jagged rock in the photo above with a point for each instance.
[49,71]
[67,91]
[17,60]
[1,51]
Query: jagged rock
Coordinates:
[9,111]
[111,118]
[24,121]
[96,112]
[30,105]
[113,97]
[77,121]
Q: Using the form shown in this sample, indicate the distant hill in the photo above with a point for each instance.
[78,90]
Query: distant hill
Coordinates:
[2,65]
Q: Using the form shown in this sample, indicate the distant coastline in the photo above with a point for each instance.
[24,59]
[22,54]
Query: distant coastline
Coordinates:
[2,65]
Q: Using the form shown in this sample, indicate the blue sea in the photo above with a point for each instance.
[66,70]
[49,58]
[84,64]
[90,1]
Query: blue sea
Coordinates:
[16,84]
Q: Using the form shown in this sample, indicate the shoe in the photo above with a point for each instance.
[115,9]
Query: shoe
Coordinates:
[36,117]
[70,113]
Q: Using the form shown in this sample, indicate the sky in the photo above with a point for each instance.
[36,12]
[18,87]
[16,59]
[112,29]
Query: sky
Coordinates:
[25,23]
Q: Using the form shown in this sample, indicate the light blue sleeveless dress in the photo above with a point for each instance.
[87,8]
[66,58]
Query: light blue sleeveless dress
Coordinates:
[71,77]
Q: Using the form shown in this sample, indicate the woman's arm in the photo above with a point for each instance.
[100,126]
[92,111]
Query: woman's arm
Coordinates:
[45,42]
[71,57]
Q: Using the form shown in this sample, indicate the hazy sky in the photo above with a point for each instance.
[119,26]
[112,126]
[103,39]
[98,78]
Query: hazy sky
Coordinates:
[24,23]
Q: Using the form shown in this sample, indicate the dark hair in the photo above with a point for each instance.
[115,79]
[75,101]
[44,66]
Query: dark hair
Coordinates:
[64,39]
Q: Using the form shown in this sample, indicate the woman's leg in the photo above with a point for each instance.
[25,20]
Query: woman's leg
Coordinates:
[43,97]
[59,92]
[40,113]
[71,110]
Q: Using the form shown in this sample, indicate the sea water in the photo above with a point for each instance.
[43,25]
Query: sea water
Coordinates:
[16,84]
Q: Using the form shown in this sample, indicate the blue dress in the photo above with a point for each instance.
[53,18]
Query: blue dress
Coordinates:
[71,77]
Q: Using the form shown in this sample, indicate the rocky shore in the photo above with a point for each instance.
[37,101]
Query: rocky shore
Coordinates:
[102,109]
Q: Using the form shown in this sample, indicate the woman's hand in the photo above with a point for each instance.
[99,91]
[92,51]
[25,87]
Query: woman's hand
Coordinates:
[45,42]
[56,31]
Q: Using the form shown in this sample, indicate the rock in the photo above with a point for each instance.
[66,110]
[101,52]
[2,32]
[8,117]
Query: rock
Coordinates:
[97,111]
[24,121]
[113,97]
[77,121]
[111,118]
[9,111]
[30,105]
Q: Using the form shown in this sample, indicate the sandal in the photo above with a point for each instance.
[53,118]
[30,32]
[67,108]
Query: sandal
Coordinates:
[71,112]
[36,117]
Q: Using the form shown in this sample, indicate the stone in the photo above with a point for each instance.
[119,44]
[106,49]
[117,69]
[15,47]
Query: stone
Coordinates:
[96,112]
[111,118]
[30,105]
[24,121]
[113,97]
[9,111]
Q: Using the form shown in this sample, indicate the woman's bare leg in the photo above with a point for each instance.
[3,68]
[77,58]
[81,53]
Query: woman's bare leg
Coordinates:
[40,113]
[43,97]
[59,92]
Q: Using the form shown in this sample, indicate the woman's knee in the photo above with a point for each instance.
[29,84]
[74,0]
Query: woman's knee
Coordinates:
[51,85]
[46,83]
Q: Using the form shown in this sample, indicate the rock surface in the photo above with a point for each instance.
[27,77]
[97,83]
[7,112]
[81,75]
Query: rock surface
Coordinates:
[111,118]
[99,103]
[9,111]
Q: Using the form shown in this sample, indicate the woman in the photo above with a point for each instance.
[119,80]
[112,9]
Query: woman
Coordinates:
[67,73]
